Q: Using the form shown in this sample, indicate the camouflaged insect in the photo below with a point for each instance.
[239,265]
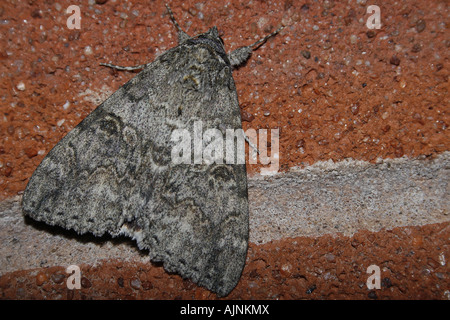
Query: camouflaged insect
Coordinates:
[113,172]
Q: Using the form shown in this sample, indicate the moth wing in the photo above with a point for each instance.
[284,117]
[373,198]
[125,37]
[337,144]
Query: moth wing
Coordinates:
[113,172]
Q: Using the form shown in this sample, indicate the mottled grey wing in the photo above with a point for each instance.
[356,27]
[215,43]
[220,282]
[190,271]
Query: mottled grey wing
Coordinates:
[113,173]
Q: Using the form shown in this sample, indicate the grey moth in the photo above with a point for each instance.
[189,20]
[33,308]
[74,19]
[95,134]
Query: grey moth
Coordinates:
[113,173]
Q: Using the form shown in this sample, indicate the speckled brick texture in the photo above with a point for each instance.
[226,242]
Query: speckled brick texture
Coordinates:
[411,260]
[335,89]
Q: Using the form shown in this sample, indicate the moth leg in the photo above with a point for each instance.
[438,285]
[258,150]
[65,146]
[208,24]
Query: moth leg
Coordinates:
[141,66]
[251,144]
[182,36]
[240,55]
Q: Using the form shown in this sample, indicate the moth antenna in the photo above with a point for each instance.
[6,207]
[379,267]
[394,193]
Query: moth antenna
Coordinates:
[172,17]
[182,35]
[261,41]
[242,54]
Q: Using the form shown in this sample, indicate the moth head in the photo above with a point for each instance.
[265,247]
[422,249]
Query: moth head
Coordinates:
[212,39]
[211,34]
[214,32]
